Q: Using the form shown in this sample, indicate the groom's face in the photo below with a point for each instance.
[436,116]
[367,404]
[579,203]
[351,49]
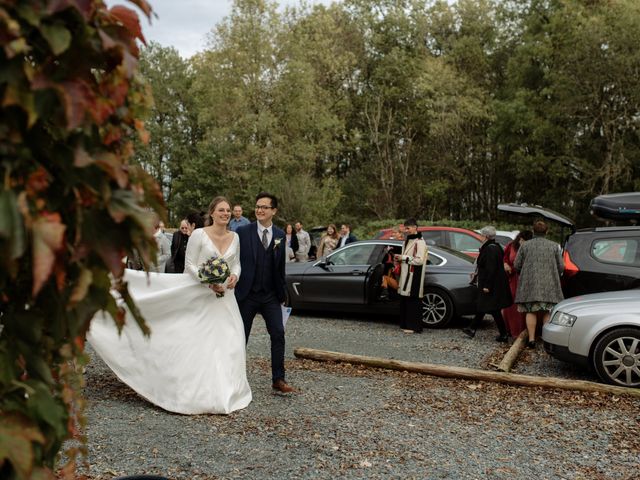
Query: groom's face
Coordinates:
[264,210]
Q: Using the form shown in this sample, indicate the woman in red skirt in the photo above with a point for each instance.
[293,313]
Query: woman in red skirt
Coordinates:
[512,317]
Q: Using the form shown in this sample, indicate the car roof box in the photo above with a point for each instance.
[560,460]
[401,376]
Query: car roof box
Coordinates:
[617,206]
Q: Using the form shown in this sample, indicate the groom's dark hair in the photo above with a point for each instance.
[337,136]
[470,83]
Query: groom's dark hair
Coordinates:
[274,200]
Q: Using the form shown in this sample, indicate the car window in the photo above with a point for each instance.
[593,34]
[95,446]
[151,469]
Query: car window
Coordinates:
[623,251]
[353,255]
[464,242]
[433,259]
[432,237]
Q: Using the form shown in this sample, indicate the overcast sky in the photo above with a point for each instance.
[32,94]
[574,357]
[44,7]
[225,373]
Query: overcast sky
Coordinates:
[184,24]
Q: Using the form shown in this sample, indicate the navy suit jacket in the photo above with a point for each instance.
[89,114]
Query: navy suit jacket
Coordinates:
[249,243]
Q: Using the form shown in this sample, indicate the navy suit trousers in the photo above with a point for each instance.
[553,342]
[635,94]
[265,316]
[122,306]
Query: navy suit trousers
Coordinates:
[268,306]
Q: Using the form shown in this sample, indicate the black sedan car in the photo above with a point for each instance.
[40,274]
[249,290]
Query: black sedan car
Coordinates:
[349,280]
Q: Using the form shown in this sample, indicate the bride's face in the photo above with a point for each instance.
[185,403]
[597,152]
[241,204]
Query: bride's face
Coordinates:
[221,213]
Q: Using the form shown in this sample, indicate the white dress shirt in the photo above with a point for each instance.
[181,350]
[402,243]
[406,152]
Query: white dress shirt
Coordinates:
[269,232]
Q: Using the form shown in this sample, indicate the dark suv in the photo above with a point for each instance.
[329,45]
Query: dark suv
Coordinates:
[598,259]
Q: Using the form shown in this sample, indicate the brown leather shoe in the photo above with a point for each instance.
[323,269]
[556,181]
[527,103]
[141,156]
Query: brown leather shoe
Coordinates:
[282,386]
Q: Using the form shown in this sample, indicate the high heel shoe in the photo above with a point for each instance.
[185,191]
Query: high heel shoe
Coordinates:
[531,344]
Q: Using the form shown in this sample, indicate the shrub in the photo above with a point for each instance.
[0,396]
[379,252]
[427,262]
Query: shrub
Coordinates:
[71,207]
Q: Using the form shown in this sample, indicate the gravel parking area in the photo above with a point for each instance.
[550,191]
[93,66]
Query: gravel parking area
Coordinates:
[353,422]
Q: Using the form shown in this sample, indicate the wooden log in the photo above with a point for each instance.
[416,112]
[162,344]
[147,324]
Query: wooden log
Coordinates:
[463,372]
[514,352]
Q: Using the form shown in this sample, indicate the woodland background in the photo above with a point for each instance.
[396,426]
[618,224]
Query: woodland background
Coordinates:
[375,109]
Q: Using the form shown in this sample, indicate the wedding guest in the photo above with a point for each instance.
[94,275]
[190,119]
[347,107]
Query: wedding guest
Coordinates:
[292,243]
[164,248]
[493,286]
[346,236]
[539,262]
[179,248]
[194,220]
[514,320]
[238,220]
[390,273]
[411,285]
[398,232]
[304,243]
[329,241]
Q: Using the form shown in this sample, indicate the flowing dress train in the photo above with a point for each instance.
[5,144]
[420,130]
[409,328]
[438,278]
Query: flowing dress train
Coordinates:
[194,362]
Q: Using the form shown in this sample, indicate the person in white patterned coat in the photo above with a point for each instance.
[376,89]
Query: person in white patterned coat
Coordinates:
[411,284]
[539,262]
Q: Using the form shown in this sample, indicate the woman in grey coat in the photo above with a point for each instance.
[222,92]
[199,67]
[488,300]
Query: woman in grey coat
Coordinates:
[539,262]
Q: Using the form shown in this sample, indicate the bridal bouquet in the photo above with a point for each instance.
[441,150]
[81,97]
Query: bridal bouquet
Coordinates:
[214,271]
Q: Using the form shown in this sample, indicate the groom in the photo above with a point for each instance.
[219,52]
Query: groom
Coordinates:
[261,287]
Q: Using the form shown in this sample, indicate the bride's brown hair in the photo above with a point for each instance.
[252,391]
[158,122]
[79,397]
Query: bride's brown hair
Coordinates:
[212,206]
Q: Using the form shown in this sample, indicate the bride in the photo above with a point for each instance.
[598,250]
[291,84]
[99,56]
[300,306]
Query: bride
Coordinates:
[194,361]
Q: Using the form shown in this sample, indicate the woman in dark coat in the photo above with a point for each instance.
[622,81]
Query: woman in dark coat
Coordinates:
[493,285]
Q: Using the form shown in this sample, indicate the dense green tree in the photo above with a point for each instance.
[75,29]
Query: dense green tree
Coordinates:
[380,109]
[172,125]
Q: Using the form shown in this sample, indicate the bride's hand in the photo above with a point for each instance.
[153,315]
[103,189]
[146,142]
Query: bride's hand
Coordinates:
[217,287]
[232,281]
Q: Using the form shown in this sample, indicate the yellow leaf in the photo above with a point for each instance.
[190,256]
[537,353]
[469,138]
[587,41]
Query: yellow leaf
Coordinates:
[82,287]
[48,237]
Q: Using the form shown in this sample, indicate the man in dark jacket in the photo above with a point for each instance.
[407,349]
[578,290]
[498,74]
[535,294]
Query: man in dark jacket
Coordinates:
[493,285]
[346,236]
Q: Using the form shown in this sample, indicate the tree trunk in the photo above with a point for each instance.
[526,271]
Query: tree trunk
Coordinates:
[462,372]
[514,352]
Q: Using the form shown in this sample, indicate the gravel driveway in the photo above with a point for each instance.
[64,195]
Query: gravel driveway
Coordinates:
[353,422]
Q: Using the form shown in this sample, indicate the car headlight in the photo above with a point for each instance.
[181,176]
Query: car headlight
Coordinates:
[563,319]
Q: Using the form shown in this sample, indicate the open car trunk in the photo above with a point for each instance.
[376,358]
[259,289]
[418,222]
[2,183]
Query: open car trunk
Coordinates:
[536,211]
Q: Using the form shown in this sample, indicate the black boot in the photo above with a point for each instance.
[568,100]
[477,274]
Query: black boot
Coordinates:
[502,338]
[469,332]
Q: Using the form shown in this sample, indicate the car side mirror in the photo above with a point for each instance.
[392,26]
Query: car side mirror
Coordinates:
[324,262]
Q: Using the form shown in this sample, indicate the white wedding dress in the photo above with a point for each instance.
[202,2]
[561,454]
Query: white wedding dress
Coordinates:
[195,359]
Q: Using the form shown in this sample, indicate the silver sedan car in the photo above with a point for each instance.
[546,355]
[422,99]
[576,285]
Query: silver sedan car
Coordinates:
[600,331]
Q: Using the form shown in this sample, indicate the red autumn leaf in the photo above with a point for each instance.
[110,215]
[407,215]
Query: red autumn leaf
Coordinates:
[116,90]
[16,436]
[129,19]
[101,110]
[111,164]
[144,6]
[48,239]
[113,134]
[37,181]
[143,133]
[77,97]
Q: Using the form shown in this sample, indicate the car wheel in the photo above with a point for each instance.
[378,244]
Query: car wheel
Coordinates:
[437,308]
[616,357]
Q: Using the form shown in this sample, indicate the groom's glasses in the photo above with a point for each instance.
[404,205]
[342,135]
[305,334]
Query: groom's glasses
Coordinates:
[263,207]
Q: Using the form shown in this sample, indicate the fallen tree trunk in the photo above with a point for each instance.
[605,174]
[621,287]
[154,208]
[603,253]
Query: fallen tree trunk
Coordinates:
[514,352]
[463,372]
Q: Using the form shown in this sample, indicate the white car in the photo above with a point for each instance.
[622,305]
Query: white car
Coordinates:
[601,331]
[503,237]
